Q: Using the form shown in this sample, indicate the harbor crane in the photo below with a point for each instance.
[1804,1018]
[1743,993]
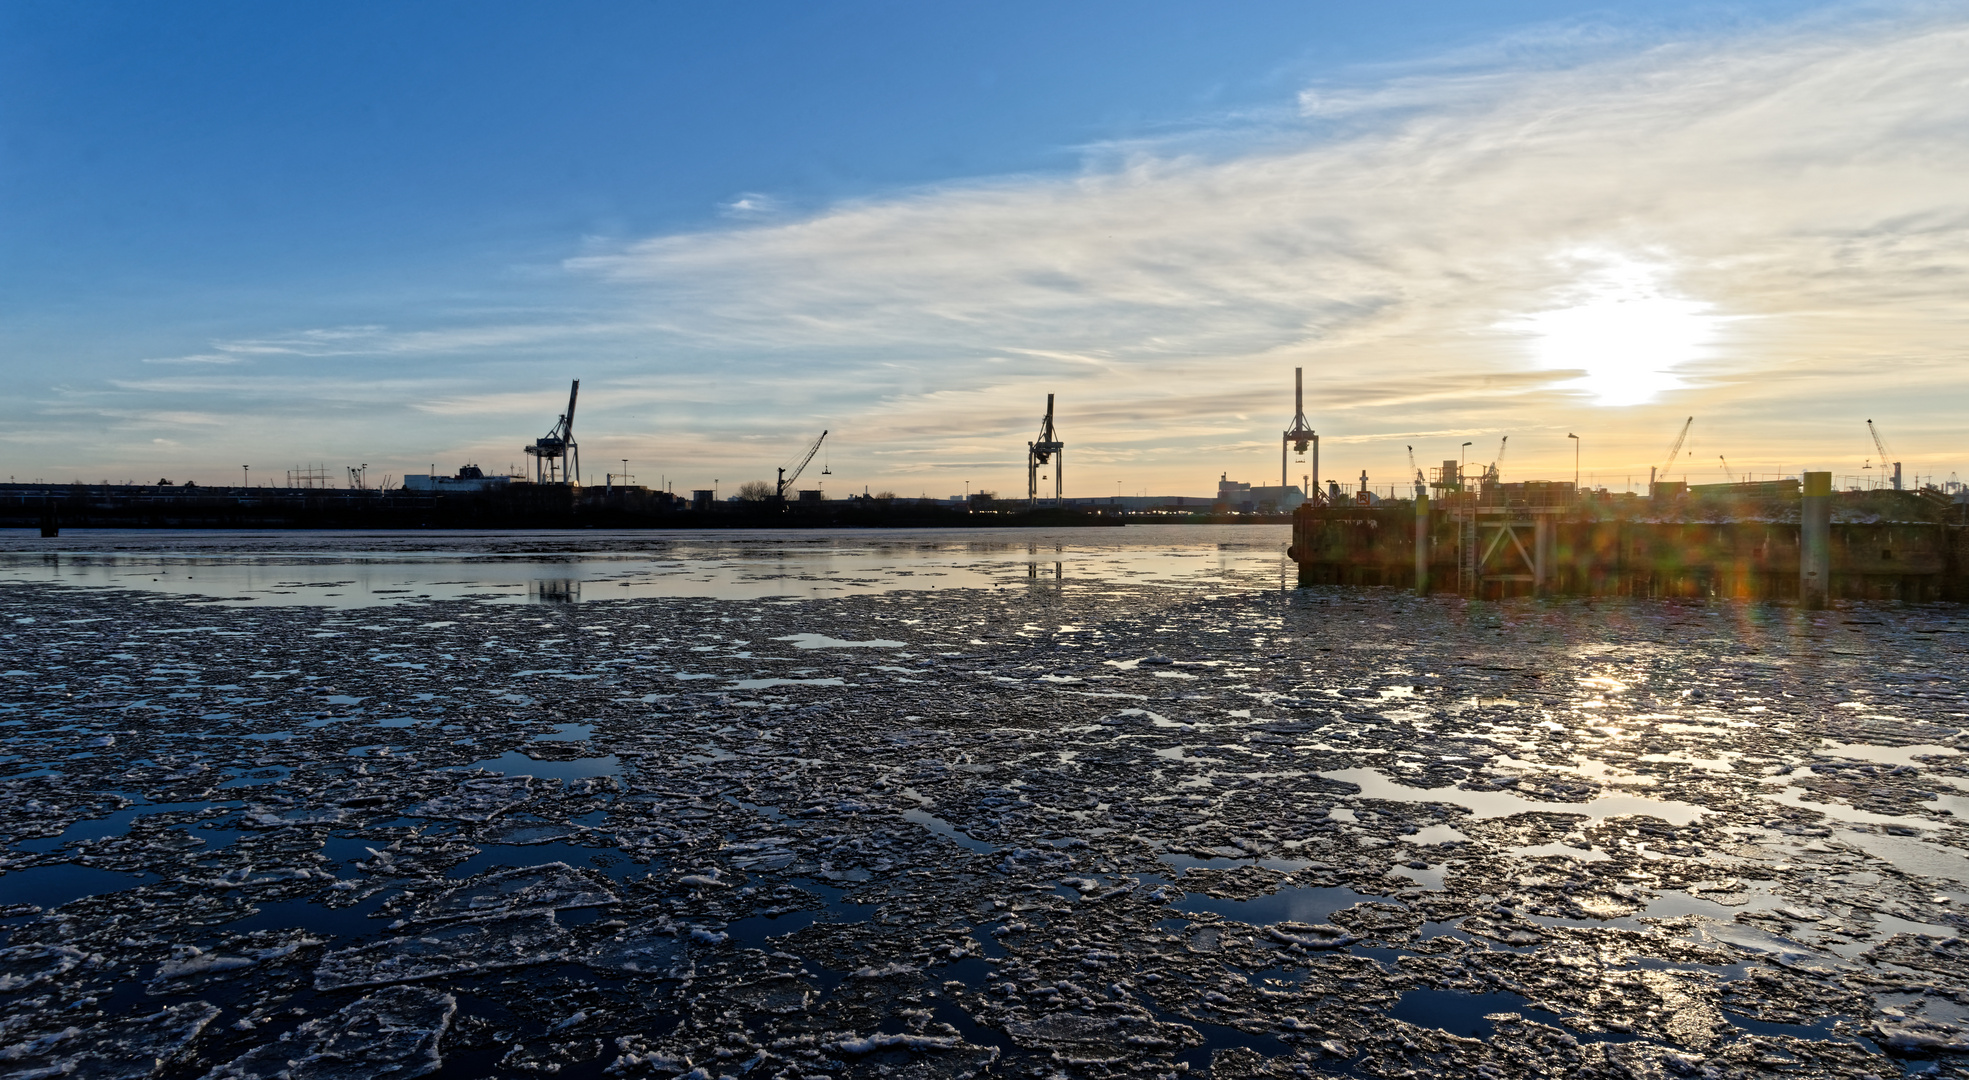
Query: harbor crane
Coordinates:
[1674,450]
[1421,481]
[1047,449]
[1728,473]
[1496,466]
[1299,438]
[556,458]
[1881,445]
[785,481]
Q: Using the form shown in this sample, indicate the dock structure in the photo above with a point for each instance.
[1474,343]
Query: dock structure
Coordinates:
[1783,541]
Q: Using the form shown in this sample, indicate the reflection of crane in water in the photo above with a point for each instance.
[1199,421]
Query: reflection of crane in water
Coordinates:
[1047,449]
[556,458]
[779,491]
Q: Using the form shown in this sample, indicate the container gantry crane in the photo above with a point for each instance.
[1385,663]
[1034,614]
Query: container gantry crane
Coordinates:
[1047,449]
[1299,438]
[556,458]
[785,481]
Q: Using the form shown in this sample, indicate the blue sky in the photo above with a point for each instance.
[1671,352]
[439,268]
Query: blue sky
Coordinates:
[390,233]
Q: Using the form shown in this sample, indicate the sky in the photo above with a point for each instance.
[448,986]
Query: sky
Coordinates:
[351,233]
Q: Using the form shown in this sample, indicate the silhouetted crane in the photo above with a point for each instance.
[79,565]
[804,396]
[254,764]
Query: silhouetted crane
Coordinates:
[1673,450]
[556,458]
[1497,465]
[1880,445]
[1046,449]
[1300,437]
[779,491]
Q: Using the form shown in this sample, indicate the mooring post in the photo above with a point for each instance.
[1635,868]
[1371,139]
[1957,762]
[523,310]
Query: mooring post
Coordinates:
[1421,544]
[1815,541]
[1541,554]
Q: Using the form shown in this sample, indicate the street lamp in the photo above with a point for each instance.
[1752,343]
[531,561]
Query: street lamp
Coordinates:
[245,472]
[1462,460]
[1575,462]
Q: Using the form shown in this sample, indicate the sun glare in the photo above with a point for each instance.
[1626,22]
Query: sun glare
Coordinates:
[1624,331]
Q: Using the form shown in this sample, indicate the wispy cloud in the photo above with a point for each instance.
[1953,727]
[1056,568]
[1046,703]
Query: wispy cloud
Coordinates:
[1503,240]
[1743,196]
[750,205]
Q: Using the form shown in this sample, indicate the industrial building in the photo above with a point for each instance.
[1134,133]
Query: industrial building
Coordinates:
[1238,498]
[470,480]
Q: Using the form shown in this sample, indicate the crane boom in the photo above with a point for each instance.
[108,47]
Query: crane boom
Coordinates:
[1726,468]
[1881,445]
[1497,465]
[1676,449]
[784,479]
[1421,482]
[556,457]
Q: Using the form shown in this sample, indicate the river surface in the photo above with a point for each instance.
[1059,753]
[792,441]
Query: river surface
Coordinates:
[937,804]
[356,569]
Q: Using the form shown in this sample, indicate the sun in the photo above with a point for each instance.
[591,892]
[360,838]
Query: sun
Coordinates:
[1624,330]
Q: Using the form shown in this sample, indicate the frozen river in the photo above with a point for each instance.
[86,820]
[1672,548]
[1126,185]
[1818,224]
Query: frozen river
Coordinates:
[936,804]
[355,569]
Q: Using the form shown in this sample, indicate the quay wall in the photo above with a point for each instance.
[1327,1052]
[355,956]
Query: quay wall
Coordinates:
[1494,552]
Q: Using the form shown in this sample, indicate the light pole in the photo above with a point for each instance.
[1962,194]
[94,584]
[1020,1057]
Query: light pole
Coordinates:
[245,473]
[1462,459]
[1575,462]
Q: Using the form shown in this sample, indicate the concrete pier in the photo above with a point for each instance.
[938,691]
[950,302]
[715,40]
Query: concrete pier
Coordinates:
[1542,539]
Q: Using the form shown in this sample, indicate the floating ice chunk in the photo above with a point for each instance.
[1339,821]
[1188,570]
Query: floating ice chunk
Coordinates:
[1375,784]
[479,800]
[28,965]
[140,1046]
[648,950]
[524,890]
[189,960]
[822,641]
[706,880]
[868,1044]
[883,972]
[394,1032]
[1885,755]
[1310,936]
[445,950]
